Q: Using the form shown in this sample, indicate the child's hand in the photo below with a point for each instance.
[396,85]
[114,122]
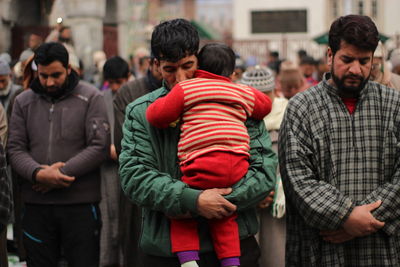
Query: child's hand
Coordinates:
[173,124]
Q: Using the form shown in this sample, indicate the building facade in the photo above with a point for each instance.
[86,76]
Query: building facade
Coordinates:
[287,26]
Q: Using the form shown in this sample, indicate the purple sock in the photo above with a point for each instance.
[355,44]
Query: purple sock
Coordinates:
[190,255]
[232,261]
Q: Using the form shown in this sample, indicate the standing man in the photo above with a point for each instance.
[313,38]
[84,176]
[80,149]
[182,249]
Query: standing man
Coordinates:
[339,158]
[130,214]
[150,173]
[7,88]
[59,136]
[115,73]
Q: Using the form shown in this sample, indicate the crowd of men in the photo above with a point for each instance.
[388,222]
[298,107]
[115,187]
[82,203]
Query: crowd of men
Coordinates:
[87,180]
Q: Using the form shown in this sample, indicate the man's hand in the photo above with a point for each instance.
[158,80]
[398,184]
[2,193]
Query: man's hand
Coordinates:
[51,176]
[212,205]
[336,236]
[41,188]
[361,222]
[267,201]
[113,153]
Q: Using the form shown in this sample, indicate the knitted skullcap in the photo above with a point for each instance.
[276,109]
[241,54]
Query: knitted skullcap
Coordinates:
[260,78]
[4,68]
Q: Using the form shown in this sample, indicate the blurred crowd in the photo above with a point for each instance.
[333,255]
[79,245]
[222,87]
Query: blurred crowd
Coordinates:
[121,81]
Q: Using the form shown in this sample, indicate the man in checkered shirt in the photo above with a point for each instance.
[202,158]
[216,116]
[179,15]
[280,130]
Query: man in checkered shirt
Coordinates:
[339,155]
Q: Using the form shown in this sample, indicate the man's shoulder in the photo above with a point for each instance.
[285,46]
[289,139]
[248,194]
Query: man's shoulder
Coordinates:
[144,101]
[137,86]
[26,97]
[131,91]
[86,91]
[384,92]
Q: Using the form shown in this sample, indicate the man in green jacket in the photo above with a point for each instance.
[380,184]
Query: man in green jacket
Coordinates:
[150,173]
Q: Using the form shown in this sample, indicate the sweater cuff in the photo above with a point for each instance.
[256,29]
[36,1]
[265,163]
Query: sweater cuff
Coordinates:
[34,174]
[189,199]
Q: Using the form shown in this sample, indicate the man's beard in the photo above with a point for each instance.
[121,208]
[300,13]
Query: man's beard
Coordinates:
[349,91]
[57,91]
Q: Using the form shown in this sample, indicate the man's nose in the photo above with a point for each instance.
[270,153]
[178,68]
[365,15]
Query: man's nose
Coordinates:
[181,76]
[355,68]
[49,82]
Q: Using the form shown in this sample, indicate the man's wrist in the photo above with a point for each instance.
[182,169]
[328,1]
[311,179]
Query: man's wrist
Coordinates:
[189,199]
[34,174]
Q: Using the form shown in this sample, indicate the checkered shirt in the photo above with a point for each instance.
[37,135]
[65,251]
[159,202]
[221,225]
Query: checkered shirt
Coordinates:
[332,161]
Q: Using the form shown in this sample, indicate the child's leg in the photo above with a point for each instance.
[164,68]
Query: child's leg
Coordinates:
[225,234]
[185,239]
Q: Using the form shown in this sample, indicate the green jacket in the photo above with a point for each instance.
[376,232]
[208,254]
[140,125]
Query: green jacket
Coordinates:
[150,177]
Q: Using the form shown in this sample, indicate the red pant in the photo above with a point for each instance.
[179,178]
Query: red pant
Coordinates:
[218,169]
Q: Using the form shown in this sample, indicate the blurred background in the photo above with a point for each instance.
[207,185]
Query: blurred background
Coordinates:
[253,28]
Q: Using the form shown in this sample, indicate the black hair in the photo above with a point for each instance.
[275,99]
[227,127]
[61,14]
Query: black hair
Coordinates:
[174,39]
[217,58]
[115,68]
[47,53]
[274,54]
[307,60]
[356,30]
[301,53]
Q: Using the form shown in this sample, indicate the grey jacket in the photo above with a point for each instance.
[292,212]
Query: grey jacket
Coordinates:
[73,129]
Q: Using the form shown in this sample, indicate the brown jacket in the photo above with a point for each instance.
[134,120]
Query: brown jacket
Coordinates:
[71,129]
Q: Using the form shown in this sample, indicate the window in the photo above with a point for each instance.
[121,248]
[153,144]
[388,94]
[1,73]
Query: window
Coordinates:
[361,7]
[335,9]
[374,8]
[279,21]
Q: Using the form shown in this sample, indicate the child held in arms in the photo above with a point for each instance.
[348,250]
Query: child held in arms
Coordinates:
[213,149]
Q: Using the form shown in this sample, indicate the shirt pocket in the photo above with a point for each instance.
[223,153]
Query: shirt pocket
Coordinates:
[73,123]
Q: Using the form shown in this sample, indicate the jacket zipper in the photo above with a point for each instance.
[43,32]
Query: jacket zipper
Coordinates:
[49,148]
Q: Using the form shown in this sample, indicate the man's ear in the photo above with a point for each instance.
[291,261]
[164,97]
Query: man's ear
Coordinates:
[330,57]
[157,64]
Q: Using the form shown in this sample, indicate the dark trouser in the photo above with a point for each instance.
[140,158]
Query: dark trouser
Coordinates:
[250,253]
[3,246]
[74,229]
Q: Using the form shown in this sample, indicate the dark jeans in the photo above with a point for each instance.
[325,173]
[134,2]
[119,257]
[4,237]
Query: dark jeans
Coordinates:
[249,249]
[50,229]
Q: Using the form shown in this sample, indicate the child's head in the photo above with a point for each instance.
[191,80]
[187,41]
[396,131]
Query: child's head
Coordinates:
[218,59]
[116,72]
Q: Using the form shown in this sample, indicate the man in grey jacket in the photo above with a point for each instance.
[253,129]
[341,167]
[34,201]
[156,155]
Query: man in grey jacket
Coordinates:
[59,136]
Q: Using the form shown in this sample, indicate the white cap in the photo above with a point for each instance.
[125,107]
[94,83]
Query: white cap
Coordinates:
[260,78]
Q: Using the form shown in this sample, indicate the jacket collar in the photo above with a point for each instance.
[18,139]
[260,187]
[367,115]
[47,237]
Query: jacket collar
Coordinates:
[153,82]
[209,75]
[332,89]
[67,88]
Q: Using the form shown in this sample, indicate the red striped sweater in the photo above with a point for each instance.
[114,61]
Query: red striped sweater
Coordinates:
[213,111]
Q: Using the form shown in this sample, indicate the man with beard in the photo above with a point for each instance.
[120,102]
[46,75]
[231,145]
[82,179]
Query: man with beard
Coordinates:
[339,160]
[150,174]
[59,136]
